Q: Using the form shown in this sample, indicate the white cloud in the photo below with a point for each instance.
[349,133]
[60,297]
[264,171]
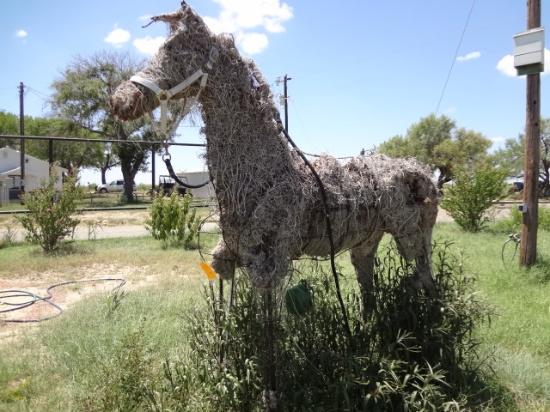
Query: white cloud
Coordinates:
[148,45]
[118,37]
[469,56]
[506,64]
[21,33]
[252,43]
[240,16]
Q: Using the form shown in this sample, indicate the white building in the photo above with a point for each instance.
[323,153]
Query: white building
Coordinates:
[36,172]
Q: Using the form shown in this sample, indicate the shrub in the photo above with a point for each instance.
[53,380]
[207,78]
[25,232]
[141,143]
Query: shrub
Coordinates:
[472,193]
[173,221]
[516,218]
[51,212]
[414,353]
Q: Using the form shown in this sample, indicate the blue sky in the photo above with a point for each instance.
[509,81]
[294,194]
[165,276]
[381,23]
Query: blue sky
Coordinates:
[362,71]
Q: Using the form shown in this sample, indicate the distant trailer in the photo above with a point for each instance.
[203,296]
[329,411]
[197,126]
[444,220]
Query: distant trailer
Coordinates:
[196,178]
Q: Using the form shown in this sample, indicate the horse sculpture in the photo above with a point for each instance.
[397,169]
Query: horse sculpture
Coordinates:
[271,206]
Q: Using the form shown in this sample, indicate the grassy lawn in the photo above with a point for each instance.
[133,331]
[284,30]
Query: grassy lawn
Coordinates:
[53,365]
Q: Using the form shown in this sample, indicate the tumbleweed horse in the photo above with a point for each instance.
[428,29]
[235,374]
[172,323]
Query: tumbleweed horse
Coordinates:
[270,204]
[271,210]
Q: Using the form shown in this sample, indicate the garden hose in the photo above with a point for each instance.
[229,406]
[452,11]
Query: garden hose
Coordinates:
[9,298]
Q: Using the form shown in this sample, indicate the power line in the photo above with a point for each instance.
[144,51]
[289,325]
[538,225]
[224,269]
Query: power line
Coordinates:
[455,56]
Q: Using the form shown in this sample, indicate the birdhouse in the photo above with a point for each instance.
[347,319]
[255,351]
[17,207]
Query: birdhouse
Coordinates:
[529,51]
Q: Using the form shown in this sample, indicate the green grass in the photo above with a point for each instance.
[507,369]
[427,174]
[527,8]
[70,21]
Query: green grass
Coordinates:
[57,364]
[518,334]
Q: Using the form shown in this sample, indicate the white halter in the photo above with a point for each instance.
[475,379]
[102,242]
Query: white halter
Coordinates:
[165,95]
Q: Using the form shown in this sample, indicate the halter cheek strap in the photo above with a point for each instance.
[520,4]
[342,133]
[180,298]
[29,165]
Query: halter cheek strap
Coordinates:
[166,94]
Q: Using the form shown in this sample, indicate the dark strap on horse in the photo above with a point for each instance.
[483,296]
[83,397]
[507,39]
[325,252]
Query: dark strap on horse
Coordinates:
[173,175]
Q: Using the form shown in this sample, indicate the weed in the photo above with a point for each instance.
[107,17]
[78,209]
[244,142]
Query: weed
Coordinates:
[121,382]
[16,392]
[8,237]
[92,229]
[114,300]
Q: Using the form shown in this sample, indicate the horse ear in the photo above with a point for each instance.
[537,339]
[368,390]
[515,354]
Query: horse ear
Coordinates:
[172,19]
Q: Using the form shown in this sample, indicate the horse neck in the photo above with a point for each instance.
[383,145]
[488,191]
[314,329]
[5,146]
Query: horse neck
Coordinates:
[246,154]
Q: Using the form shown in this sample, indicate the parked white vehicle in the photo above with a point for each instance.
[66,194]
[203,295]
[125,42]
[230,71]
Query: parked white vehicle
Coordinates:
[114,186]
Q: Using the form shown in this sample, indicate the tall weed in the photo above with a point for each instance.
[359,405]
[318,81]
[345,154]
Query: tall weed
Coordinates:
[414,353]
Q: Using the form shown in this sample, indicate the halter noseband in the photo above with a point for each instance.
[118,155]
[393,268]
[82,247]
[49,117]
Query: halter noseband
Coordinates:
[165,95]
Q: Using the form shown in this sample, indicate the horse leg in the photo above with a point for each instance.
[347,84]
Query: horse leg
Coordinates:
[224,261]
[363,259]
[418,247]
[424,275]
[267,270]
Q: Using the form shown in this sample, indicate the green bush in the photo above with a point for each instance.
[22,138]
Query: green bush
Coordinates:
[413,354]
[51,212]
[173,220]
[516,218]
[472,193]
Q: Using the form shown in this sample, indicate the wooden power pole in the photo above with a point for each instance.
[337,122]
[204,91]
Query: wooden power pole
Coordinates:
[528,244]
[286,79]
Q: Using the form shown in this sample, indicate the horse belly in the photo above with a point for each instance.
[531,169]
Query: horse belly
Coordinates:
[348,230]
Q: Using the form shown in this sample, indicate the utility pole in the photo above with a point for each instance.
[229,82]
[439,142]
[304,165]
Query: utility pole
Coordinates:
[528,244]
[22,142]
[285,80]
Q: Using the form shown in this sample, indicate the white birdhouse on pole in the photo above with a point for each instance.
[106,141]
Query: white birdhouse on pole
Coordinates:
[529,51]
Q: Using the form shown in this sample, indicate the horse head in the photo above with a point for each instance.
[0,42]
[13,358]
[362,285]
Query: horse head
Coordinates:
[177,71]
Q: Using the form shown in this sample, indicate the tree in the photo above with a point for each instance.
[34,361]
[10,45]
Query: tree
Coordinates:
[9,125]
[69,155]
[473,192]
[513,156]
[81,95]
[437,142]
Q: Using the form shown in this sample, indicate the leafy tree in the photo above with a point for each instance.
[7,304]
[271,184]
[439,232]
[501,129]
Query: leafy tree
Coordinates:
[9,125]
[513,156]
[70,155]
[473,191]
[81,95]
[437,142]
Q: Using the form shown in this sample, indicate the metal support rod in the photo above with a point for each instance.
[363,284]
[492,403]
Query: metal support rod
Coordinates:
[50,155]
[22,133]
[88,140]
[153,171]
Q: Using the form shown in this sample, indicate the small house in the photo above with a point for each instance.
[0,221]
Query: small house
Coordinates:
[36,172]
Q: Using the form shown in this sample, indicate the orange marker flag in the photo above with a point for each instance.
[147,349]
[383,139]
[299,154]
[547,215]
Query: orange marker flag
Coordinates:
[210,274]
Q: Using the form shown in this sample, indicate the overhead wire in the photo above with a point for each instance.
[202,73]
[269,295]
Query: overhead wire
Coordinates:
[455,56]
